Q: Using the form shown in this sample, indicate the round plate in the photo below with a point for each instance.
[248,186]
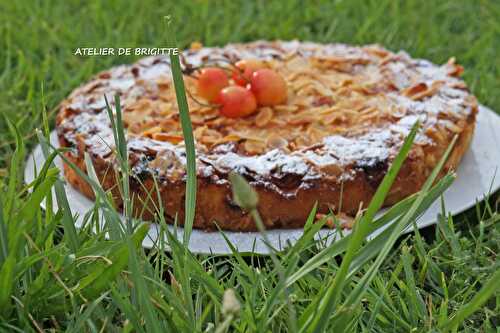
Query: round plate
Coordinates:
[476,178]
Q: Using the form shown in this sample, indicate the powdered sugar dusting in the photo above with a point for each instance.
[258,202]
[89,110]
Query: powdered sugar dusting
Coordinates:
[345,152]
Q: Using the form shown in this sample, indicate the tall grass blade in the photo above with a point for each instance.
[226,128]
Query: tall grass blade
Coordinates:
[122,157]
[187,131]
[62,202]
[3,235]
[46,131]
[6,283]
[15,165]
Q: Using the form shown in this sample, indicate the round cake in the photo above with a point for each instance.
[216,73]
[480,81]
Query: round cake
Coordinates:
[347,112]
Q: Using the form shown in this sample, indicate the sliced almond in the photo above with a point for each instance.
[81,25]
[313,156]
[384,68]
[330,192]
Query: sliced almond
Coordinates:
[275,141]
[452,127]
[415,89]
[254,147]
[264,117]
[199,132]
[210,136]
[175,139]
[377,51]
[153,130]
[427,93]
[163,83]
[301,119]
[196,45]
[454,69]
[287,108]
[229,138]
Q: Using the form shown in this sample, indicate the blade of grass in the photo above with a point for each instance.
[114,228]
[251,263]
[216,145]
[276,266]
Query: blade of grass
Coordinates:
[187,131]
[3,235]
[46,131]
[15,164]
[62,201]
[416,304]
[122,157]
[6,283]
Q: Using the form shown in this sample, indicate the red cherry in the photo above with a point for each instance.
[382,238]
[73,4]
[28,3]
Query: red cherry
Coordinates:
[210,82]
[243,74]
[236,101]
[269,87]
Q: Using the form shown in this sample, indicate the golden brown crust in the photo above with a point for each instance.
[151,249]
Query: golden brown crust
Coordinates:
[289,181]
[214,204]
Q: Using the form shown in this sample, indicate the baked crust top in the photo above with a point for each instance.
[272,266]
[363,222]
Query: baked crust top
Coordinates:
[349,108]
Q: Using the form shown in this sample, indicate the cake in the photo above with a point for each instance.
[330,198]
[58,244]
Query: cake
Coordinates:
[347,113]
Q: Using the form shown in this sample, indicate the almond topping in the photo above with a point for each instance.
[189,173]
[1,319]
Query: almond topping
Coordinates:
[415,89]
[264,117]
[175,139]
[254,147]
[275,141]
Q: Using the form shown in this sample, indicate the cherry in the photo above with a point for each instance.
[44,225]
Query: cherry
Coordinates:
[269,87]
[236,101]
[210,82]
[245,69]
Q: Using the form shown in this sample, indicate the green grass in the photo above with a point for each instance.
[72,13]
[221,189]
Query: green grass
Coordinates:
[53,276]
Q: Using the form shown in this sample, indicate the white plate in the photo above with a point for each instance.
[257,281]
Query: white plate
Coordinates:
[475,179]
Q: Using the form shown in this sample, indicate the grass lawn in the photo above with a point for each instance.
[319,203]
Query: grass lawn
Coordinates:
[53,277]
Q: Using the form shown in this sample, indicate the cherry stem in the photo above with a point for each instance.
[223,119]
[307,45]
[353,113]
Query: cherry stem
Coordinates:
[243,76]
[189,69]
[213,106]
[215,60]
